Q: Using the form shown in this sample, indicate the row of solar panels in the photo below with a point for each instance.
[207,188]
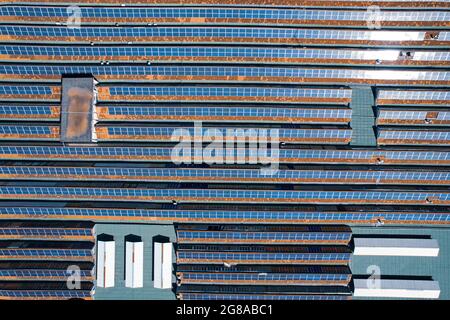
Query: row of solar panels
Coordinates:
[165,134]
[226,74]
[222,16]
[44,271]
[399,117]
[223,55]
[243,235]
[47,251]
[225,216]
[428,198]
[295,136]
[235,277]
[165,113]
[230,114]
[227,94]
[165,154]
[40,290]
[263,289]
[292,297]
[24,231]
[252,3]
[223,35]
[269,279]
[212,175]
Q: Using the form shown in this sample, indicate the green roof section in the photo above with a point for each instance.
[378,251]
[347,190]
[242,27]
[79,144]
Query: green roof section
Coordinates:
[146,232]
[435,267]
[363,118]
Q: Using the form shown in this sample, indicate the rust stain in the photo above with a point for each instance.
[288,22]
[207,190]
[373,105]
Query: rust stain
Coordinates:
[238,21]
[413,102]
[264,79]
[425,42]
[103,113]
[107,97]
[382,141]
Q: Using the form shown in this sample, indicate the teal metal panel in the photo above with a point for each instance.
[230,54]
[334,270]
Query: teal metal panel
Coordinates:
[363,118]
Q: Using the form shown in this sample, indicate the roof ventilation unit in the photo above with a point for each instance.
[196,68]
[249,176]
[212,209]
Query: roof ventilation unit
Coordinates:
[413,289]
[162,258]
[106,250]
[134,263]
[396,247]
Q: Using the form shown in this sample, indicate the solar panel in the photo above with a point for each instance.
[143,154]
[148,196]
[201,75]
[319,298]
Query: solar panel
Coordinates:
[410,117]
[26,112]
[221,93]
[215,296]
[45,294]
[15,132]
[215,15]
[261,237]
[228,114]
[46,233]
[42,274]
[224,195]
[28,92]
[163,134]
[229,74]
[210,34]
[263,278]
[212,54]
[412,137]
[156,154]
[413,97]
[252,258]
[224,175]
[221,216]
[46,254]
[264,3]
